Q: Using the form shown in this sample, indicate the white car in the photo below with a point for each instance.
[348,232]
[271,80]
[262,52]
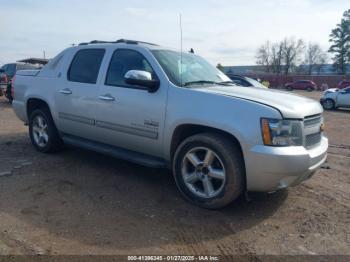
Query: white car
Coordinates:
[334,98]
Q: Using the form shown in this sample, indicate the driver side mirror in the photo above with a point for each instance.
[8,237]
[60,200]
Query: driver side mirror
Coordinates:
[143,79]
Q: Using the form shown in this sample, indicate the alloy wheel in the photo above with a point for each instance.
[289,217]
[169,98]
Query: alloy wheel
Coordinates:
[203,172]
[328,104]
[40,131]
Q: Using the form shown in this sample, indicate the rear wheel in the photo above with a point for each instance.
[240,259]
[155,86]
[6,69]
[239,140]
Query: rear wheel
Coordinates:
[43,132]
[8,93]
[209,170]
[309,89]
[328,104]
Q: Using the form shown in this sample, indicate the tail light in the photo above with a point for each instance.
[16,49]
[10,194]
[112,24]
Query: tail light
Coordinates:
[13,87]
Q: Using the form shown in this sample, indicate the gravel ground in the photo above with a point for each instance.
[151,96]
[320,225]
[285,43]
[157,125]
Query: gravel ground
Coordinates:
[80,202]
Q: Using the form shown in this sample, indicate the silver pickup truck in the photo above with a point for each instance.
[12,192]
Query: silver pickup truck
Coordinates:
[161,108]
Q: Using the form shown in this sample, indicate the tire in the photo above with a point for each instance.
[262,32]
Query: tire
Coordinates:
[227,182]
[44,136]
[309,89]
[328,104]
[289,88]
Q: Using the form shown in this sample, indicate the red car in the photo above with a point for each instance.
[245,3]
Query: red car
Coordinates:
[343,84]
[301,85]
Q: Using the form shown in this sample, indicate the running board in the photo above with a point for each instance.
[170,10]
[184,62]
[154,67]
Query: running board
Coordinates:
[117,152]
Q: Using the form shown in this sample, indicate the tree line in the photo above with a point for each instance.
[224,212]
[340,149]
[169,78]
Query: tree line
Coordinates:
[295,56]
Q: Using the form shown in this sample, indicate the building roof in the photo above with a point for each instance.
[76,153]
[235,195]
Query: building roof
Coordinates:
[39,61]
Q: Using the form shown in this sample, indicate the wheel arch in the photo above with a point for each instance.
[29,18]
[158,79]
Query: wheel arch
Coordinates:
[184,131]
[35,103]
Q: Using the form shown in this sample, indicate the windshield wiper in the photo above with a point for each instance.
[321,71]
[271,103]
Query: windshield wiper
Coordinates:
[227,83]
[200,82]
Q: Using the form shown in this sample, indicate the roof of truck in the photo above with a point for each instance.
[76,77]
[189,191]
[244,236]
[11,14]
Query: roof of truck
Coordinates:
[121,41]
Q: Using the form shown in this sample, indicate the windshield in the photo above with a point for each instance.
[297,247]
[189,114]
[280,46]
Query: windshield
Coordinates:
[188,70]
[256,83]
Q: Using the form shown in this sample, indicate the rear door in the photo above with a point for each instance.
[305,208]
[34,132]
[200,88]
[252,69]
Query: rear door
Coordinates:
[75,96]
[302,85]
[296,85]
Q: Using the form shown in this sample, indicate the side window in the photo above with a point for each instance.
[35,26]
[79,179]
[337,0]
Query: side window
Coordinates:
[4,67]
[86,65]
[124,60]
[242,82]
[11,69]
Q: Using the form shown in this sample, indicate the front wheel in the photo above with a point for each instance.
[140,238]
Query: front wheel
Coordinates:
[209,170]
[328,104]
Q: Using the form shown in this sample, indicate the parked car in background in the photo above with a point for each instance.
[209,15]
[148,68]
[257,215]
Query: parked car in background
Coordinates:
[307,85]
[246,81]
[334,98]
[7,72]
[131,100]
[343,84]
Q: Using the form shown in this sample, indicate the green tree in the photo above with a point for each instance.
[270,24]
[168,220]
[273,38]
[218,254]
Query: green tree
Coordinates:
[340,39]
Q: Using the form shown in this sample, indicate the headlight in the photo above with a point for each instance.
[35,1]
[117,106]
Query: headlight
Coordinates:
[276,132]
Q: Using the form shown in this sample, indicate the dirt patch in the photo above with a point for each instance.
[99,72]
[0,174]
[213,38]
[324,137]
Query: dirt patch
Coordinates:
[80,202]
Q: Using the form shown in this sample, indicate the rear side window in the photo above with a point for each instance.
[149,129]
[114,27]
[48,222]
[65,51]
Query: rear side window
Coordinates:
[86,65]
[122,61]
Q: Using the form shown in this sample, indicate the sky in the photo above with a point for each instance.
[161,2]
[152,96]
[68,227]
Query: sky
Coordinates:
[226,31]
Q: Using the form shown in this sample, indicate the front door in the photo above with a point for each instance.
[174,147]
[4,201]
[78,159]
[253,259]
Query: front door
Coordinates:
[129,116]
[75,97]
[344,97]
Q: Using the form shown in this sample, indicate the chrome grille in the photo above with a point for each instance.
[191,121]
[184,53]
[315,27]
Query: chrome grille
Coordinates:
[312,121]
[312,130]
[313,139]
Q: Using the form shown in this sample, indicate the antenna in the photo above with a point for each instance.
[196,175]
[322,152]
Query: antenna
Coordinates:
[181,49]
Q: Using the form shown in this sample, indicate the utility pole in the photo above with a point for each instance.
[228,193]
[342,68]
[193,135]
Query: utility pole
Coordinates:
[44,54]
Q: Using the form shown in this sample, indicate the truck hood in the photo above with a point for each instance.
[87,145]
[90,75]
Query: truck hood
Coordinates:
[331,90]
[290,105]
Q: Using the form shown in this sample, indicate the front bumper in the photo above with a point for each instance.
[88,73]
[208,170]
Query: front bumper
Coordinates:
[273,168]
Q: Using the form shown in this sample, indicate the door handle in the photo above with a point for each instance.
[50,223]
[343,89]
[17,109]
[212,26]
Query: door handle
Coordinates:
[65,91]
[106,97]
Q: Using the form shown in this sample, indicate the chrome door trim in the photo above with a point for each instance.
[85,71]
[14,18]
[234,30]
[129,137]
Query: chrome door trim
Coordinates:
[128,130]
